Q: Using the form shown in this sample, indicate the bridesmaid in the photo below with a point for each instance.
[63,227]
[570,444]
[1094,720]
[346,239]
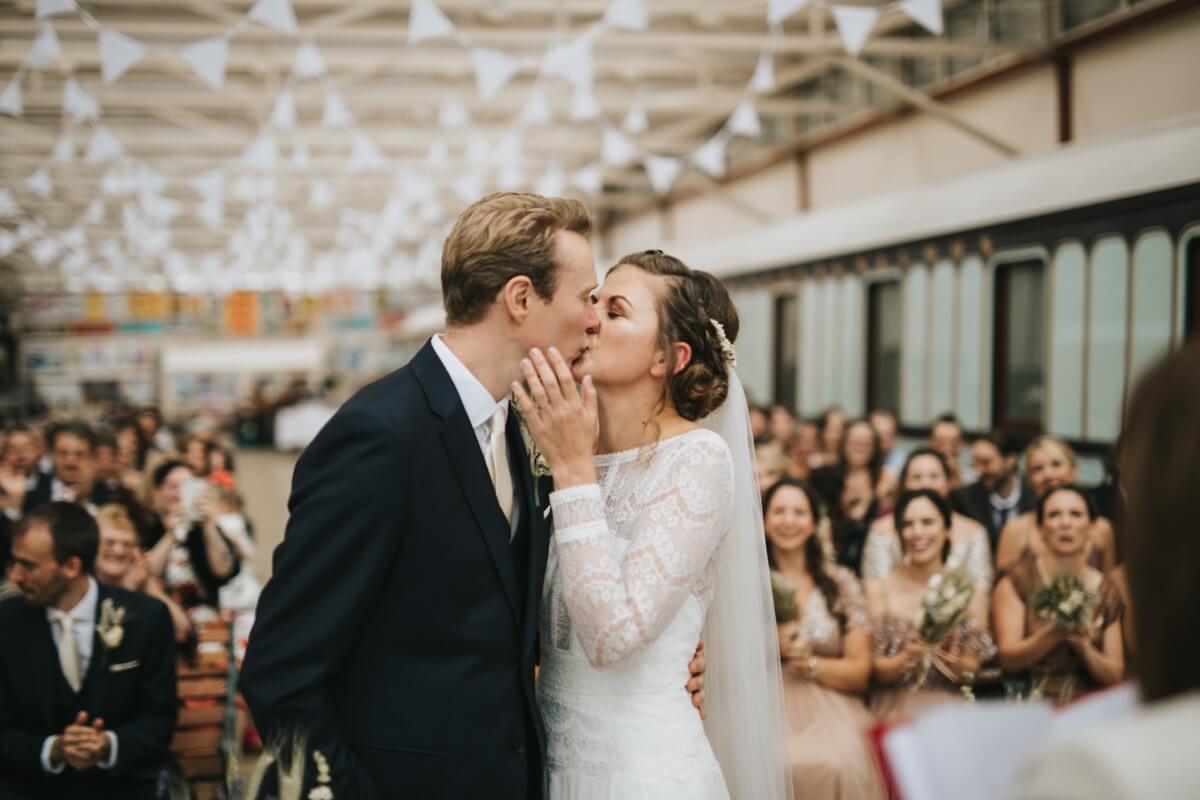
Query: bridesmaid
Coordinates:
[969,547]
[893,602]
[1063,664]
[1050,462]
[826,652]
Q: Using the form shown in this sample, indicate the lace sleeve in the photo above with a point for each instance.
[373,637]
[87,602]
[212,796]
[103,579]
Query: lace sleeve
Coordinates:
[618,605]
[880,554]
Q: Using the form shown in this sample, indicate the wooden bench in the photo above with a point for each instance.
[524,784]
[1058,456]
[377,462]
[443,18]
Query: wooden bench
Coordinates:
[203,687]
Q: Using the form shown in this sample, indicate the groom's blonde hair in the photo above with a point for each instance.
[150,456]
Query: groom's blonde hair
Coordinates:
[498,238]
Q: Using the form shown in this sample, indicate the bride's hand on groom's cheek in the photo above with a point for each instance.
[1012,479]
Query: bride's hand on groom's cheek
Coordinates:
[561,418]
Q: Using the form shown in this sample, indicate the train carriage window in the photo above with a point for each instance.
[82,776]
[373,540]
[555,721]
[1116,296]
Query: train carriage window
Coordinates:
[883,346]
[787,349]
[1020,342]
[1192,314]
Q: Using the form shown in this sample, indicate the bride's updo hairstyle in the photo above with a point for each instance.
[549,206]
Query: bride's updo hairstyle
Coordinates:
[691,302]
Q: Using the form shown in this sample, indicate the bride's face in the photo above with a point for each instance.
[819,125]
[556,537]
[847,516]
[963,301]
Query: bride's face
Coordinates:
[789,519]
[626,349]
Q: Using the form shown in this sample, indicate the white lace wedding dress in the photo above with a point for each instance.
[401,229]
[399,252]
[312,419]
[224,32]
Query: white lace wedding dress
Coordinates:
[628,583]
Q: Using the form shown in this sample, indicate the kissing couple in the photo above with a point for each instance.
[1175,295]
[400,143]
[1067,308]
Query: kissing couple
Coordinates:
[504,559]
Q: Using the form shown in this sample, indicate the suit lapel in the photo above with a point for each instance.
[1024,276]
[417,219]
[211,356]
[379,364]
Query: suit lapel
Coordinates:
[49,685]
[537,523]
[98,665]
[469,469]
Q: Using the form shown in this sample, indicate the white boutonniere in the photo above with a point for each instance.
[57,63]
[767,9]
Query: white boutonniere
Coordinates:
[539,467]
[110,627]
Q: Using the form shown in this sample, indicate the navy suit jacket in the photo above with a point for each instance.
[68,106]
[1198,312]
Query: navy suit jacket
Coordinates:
[132,688]
[399,630]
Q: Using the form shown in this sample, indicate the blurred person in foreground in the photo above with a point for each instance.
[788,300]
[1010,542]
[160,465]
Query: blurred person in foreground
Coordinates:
[1151,753]
[87,676]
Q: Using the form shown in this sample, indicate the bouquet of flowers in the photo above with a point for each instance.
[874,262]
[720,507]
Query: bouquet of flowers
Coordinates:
[944,606]
[1065,602]
[784,595]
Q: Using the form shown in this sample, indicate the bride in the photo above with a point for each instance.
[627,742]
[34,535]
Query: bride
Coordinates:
[658,540]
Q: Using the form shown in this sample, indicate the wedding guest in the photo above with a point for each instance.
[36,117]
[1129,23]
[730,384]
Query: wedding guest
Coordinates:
[826,651]
[911,675]
[120,561]
[760,424]
[1000,495]
[1152,752]
[802,448]
[857,510]
[861,452]
[770,464]
[832,426]
[928,469]
[1050,462]
[783,423]
[1066,655]
[151,421]
[946,436]
[884,423]
[88,701]
[107,470]
[72,447]
[220,468]
[195,454]
[186,547]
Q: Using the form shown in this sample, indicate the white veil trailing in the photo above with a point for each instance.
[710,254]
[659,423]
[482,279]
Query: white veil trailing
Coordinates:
[743,685]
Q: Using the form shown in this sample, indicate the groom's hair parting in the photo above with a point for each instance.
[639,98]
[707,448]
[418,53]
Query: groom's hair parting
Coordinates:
[686,312]
[499,237]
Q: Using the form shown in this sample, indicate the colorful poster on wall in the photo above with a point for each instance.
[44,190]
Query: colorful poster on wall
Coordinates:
[242,314]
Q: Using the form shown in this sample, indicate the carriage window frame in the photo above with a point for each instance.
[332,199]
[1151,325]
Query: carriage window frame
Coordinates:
[890,280]
[1003,267]
[1190,254]
[785,389]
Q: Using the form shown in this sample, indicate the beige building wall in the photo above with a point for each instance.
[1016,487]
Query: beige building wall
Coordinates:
[1151,75]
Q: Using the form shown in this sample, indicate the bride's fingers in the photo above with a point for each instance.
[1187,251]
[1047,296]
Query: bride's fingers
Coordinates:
[536,389]
[546,373]
[524,404]
[563,372]
[589,396]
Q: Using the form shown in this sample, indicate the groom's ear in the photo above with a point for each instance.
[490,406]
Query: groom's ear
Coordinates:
[517,296]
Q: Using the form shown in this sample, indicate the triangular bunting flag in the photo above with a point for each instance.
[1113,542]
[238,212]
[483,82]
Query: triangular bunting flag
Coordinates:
[477,148]
[855,24]
[275,14]
[628,14]
[439,153]
[78,103]
[744,120]
[711,156]
[583,105]
[635,120]
[245,188]
[8,204]
[764,74]
[662,172]
[510,178]
[553,183]
[509,149]
[308,62]
[103,146]
[10,99]
[616,149]
[927,13]
[48,8]
[262,154]
[210,185]
[779,10]
[590,179]
[301,159]
[335,114]
[283,115]
[364,155]
[493,69]
[118,53]
[453,114]
[39,183]
[468,186]
[44,52]
[207,59]
[65,149]
[572,61]
[95,213]
[426,21]
[211,213]
[536,110]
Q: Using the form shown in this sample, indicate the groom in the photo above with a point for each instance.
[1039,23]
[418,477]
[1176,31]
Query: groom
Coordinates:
[399,632]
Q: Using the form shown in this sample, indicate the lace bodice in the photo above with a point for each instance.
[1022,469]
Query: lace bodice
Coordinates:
[631,549]
[882,554]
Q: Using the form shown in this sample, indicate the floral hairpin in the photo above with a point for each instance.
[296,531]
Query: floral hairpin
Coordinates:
[728,354]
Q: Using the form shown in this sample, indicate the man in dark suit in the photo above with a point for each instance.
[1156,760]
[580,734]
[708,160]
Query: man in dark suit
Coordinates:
[87,673]
[1000,495]
[72,450]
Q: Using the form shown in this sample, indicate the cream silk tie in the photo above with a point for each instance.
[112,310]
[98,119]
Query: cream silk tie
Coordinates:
[68,651]
[497,463]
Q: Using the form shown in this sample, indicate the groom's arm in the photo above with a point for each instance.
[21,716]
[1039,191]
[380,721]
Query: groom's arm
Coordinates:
[347,513]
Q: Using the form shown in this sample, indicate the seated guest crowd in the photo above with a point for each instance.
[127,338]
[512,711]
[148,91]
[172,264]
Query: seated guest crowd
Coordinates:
[116,547]
[904,580]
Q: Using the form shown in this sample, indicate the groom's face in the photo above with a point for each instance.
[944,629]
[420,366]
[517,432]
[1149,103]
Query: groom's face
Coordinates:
[568,320]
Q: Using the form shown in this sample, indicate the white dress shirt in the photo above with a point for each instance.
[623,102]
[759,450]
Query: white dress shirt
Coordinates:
[83,625]
[479,404]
